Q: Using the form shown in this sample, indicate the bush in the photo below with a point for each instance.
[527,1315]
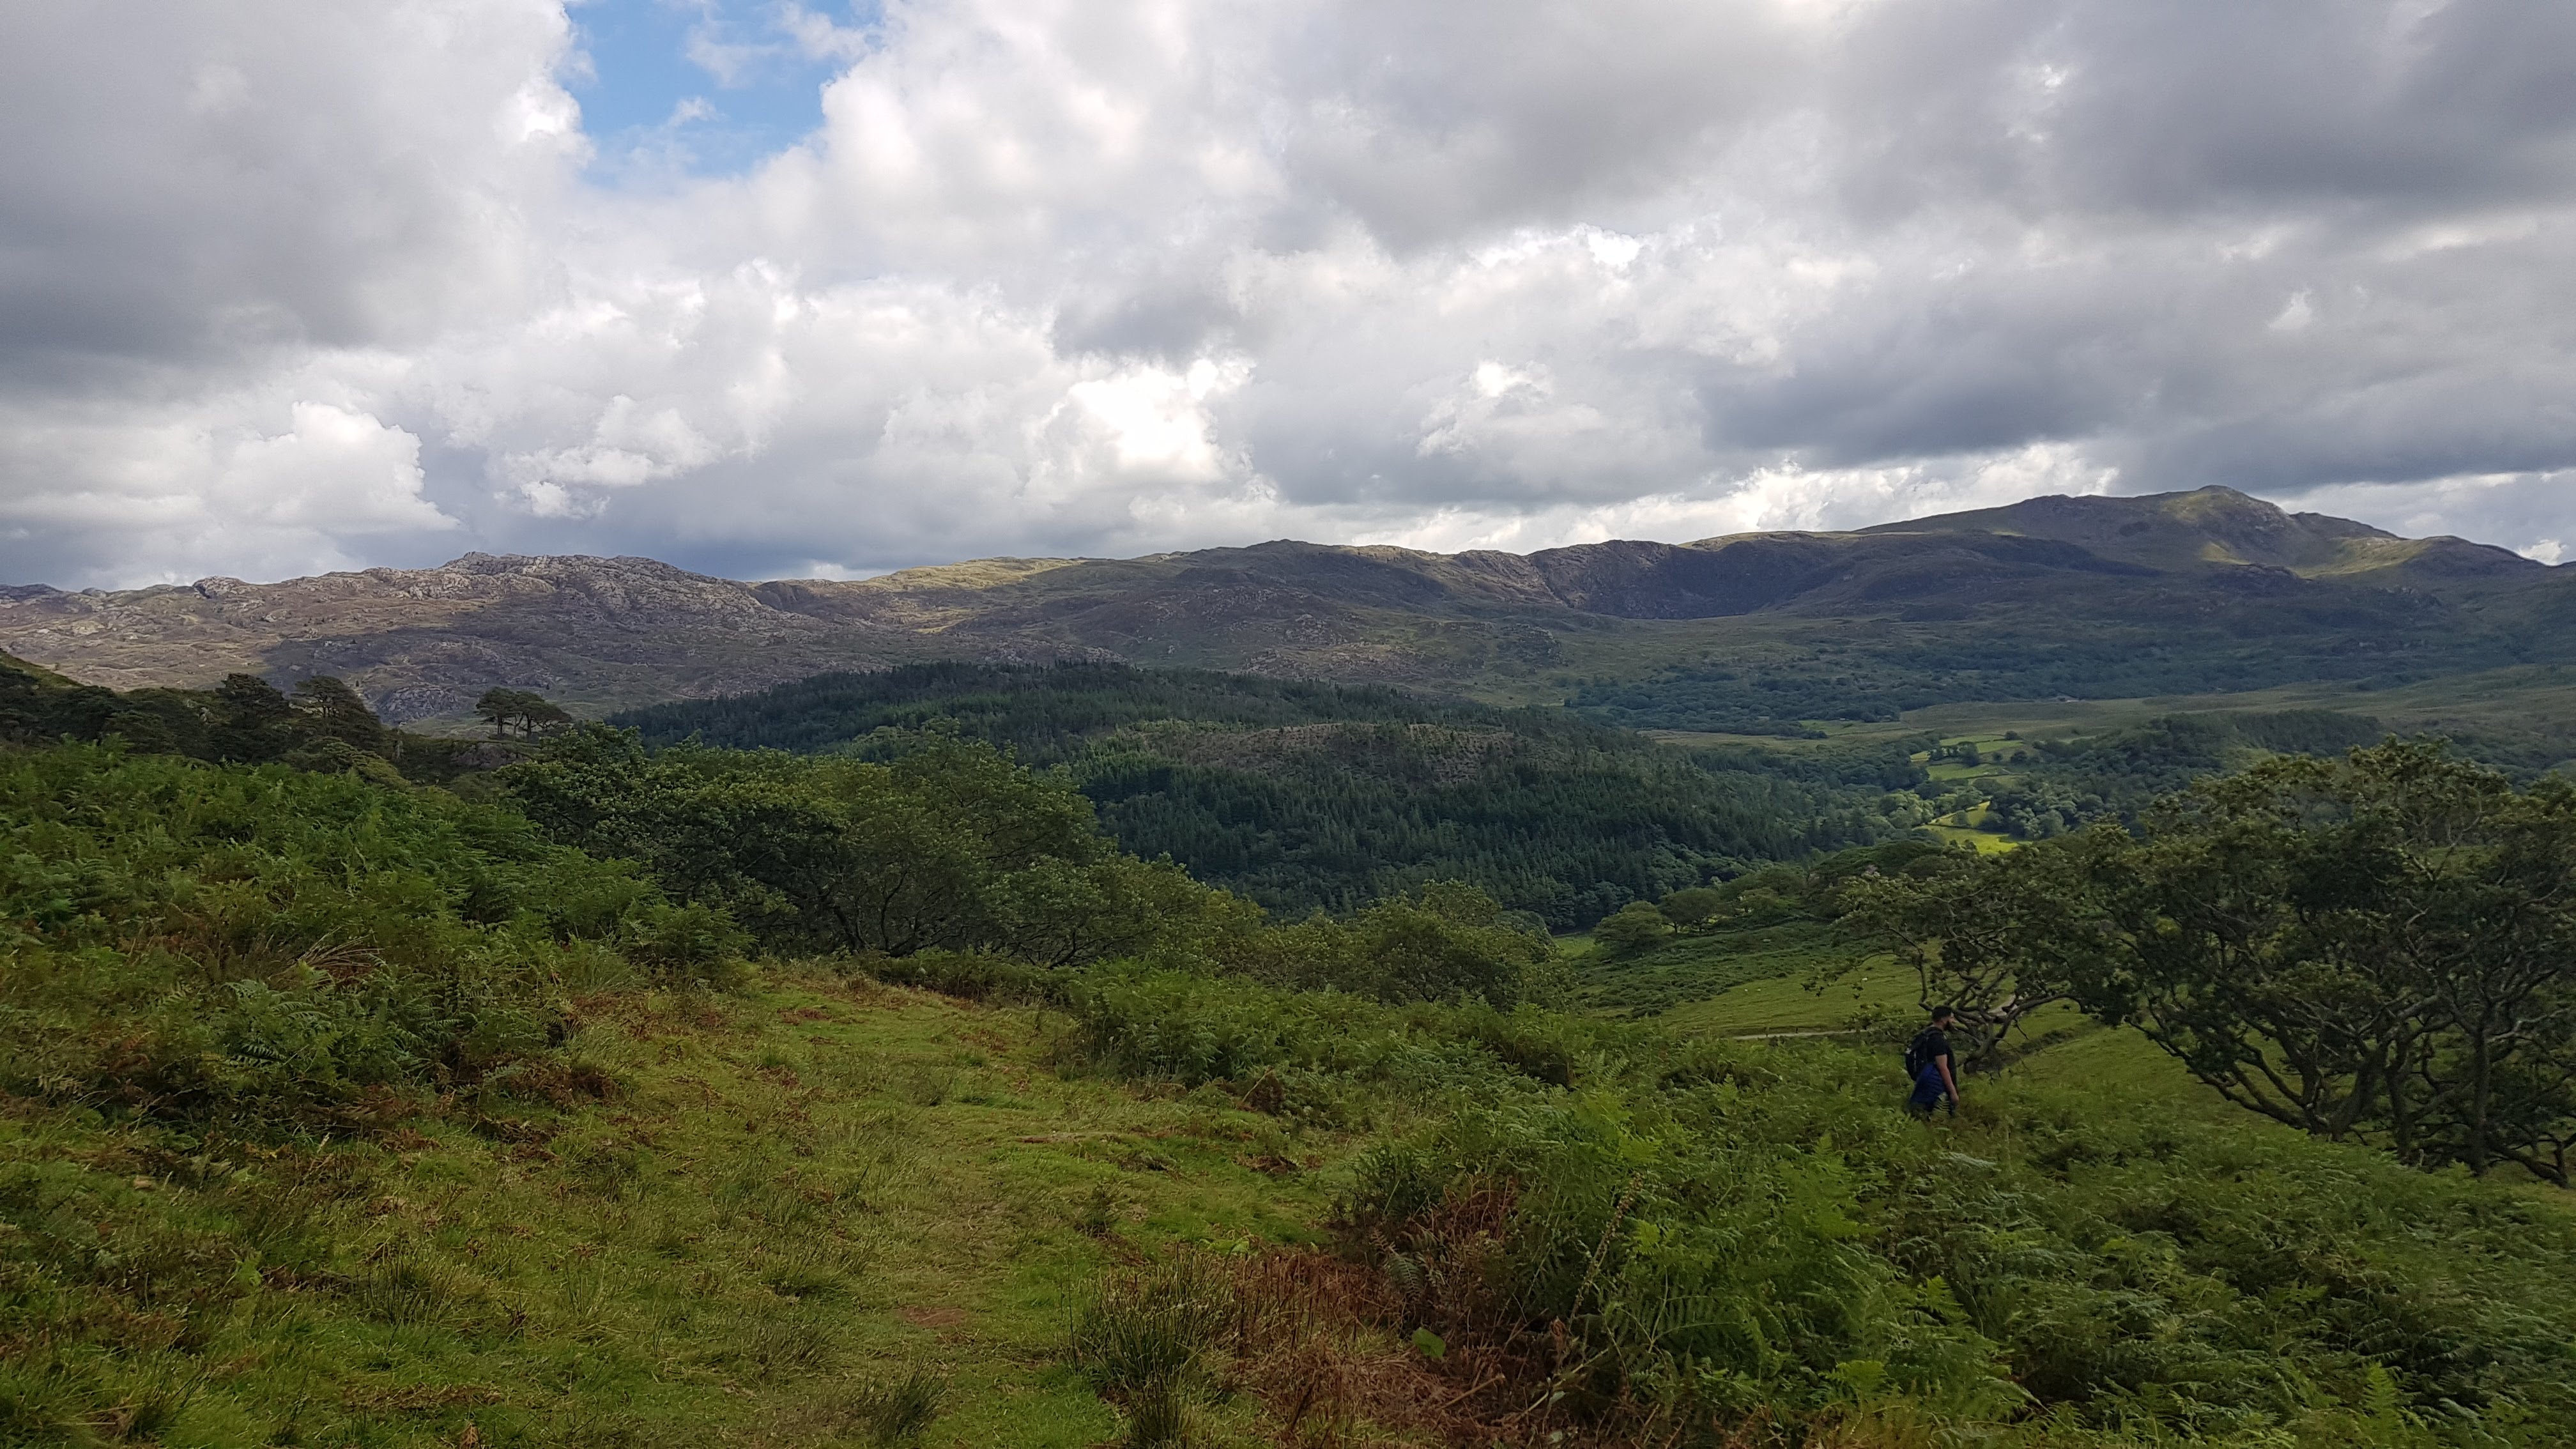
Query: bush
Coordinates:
[1447,941]
[1636,927]
[966,975]
[688,944]
[269,948]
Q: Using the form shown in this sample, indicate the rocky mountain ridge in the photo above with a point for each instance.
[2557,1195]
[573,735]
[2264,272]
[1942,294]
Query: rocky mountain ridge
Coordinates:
[607,632]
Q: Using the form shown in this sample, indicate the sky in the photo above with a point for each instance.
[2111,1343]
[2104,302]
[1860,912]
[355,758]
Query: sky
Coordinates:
[775,288]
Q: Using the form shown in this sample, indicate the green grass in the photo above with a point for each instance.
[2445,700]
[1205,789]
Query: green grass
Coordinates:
[789,1202]
[817,1211]
[1694,967]
[1977,838]
[2068,1050]
[1785,1004]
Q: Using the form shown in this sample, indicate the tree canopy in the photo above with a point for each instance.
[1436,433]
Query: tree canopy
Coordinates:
[518,711]
[2379,947]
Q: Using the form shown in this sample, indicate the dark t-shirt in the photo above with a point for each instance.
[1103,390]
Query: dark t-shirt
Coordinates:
[1923,1056]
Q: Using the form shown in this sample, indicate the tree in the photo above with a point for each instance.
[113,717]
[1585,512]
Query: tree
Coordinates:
[330,709]
[251,722]
[1994,937]
[2380,947]
[1450,941]
[1062,913]
[951,845]
[530,714]
[1636,927]
[1692,907]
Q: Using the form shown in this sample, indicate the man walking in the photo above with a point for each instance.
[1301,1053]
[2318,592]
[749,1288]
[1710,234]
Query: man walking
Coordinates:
[1927,1062]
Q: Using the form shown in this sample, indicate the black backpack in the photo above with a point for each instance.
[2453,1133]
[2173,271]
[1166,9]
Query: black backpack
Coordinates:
[1919,1052]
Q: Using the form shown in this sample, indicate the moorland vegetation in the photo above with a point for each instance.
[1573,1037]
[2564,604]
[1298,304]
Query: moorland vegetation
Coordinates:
[638,1097]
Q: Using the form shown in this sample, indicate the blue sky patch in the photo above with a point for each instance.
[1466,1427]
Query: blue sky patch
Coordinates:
[703,87]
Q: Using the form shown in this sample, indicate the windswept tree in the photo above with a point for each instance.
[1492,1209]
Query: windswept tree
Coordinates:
[2380,947]
[520,711]
[1995,937]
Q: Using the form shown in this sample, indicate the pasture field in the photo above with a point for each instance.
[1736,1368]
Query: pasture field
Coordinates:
[1977,838]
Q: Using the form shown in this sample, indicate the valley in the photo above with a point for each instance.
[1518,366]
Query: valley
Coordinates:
[918,1012]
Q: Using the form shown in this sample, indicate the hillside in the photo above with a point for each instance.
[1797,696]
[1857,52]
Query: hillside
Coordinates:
[1307,796]
[336,1111]
[2089,597]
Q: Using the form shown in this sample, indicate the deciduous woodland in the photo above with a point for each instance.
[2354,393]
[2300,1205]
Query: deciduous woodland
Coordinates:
[1186,1060]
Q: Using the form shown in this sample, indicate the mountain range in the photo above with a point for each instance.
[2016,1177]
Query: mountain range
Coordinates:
[2205,590]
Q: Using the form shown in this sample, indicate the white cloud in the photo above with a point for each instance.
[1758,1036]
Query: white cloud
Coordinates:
[190,486]
[293,284]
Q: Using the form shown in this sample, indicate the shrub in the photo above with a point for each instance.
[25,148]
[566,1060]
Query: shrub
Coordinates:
[270,948]
[966,975]
[1635,927]
[1446,942]
[689,944]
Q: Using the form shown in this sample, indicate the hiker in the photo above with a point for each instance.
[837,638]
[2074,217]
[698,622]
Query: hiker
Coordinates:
[1927,1062]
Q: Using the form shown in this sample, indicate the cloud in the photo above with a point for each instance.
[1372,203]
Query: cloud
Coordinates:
[289,285]
[149,499]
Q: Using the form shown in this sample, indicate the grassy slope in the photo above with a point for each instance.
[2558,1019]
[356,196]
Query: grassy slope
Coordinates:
[2497,699]
[1686,970]
[790,1196]
[2059,1049]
